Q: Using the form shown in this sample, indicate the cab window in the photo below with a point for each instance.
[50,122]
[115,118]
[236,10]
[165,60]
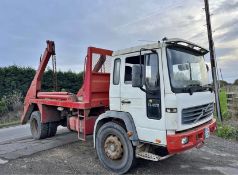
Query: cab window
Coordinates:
[116,71]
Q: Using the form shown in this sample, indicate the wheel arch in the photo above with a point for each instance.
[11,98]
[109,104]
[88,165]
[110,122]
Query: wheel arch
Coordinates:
[48,113]
[122,118]
[29,110]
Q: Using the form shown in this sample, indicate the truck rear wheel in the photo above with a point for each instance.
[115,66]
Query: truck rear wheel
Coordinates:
[38,130]
[114,149]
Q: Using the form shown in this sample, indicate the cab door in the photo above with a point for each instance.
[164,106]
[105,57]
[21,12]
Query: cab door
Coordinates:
[145,107]
[115,85]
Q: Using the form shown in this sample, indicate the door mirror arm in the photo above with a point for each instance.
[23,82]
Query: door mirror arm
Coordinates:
[207,67]
[147,91]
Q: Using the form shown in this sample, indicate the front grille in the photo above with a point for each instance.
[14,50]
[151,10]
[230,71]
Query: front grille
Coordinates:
[197,113]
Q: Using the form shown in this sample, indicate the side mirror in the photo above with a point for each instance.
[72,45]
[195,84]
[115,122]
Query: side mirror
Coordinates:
[137,76]
[207,67]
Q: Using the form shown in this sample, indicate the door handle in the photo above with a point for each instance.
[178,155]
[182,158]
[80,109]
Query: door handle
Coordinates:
[125,102]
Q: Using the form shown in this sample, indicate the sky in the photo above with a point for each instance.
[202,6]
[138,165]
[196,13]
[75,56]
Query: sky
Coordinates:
[112,24]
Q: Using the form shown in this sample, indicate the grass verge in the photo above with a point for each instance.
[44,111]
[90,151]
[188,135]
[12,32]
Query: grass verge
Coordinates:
[227,130]
[7,123]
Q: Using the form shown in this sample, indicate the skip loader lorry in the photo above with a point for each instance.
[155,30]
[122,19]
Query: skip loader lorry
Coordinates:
[150,101]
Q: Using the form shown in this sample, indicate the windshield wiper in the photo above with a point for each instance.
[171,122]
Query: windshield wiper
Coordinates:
[189,88]
[209,87]
[196,87]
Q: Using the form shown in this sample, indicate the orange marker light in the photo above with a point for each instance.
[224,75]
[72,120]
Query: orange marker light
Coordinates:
[157,140]
[129,133]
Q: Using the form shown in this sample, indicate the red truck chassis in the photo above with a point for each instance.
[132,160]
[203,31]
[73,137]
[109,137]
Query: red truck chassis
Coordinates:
[90,101]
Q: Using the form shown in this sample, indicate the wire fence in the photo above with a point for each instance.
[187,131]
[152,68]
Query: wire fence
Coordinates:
[232,100]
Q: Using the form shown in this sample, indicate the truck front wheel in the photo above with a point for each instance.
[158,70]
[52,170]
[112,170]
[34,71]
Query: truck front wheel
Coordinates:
[38,130]
[114,149]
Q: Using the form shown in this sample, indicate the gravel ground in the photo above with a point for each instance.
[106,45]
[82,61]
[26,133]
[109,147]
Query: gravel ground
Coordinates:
[217,156]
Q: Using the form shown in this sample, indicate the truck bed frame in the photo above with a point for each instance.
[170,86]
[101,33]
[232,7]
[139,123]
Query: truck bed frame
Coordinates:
[82,108]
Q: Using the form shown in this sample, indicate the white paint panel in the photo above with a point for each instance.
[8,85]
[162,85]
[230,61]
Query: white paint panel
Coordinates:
[151,135]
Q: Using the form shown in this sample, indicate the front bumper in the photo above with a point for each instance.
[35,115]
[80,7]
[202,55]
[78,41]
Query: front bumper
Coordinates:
[196,137]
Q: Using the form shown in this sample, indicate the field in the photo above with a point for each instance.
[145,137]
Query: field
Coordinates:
[229,128]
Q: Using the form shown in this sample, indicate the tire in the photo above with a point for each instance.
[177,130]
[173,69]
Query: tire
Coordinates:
[52,129]
[38,130]
[112,159]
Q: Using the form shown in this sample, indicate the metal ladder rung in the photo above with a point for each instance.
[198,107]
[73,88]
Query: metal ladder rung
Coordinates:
[82,128]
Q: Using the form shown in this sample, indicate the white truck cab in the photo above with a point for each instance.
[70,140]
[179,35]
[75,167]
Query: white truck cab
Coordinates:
[163,89]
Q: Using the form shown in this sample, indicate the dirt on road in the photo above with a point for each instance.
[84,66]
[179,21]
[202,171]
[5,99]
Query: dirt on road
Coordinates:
[217,156]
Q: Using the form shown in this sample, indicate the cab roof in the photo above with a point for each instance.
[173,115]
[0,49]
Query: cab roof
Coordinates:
[173,41]
[136,49]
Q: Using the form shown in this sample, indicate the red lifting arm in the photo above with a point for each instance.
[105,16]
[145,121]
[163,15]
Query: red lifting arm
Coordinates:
[36,83]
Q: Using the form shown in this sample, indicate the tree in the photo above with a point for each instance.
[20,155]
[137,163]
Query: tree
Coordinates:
[14,78]
[223,83]
[235,82]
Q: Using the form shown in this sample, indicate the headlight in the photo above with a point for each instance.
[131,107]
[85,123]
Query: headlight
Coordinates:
[171,110]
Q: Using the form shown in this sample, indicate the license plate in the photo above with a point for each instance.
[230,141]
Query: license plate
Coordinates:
[206,133]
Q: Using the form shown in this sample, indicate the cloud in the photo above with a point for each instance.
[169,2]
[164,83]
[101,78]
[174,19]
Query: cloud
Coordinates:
[227,6]
[117,24]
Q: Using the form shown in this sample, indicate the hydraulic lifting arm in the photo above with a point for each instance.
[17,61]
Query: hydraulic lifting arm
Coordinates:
[93,93]
[36,82]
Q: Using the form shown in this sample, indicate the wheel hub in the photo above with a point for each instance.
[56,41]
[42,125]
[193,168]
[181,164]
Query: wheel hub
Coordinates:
[113,147]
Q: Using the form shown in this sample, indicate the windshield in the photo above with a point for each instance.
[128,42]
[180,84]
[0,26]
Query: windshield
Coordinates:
[186,68]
